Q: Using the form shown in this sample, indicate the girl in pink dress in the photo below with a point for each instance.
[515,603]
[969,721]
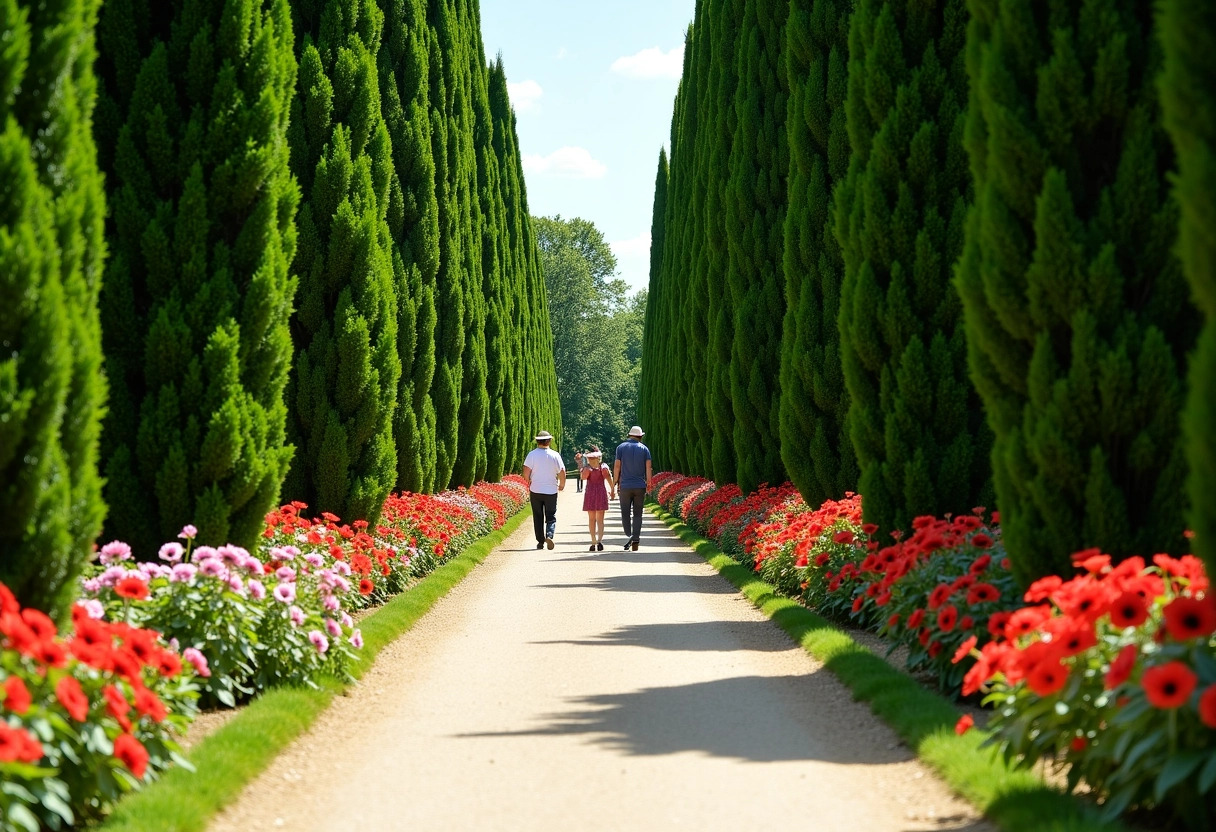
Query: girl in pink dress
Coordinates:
[598,481]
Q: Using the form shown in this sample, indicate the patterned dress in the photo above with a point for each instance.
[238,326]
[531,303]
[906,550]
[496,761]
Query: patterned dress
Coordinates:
[595,496]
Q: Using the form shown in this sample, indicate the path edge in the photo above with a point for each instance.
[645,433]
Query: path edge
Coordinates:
[228,760]
[1015,799]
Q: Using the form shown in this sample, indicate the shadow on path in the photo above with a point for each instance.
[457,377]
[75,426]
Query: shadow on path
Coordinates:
[736,718]
[709,636]
[652,583]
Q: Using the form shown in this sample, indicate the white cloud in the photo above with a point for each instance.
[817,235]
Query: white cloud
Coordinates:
[651,63]
[562,53]
[635,247]
[566,163]
[525,95]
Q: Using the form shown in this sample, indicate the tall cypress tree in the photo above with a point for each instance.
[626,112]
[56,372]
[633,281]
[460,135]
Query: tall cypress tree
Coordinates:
[726,17]
[51,257]
[343,388]
[915,421]
[413,221]
[451,131]
[649,408]
[1078,322]
[815,444]
[755,220]
[195,302]
[1188,35]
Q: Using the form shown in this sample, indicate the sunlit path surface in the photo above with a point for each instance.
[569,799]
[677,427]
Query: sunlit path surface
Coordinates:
[616,690]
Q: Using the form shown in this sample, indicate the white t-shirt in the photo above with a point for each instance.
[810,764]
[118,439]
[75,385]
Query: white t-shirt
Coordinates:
[545,464]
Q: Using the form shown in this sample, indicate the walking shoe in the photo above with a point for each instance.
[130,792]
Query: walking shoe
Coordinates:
[626,546]
[549,542]
[633,544]
[591,548]
[599,547]
[540,545]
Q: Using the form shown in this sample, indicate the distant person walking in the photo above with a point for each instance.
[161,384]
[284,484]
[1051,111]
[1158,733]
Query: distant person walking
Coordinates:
[633,473]
[545,474]
[579,465]
[595,501]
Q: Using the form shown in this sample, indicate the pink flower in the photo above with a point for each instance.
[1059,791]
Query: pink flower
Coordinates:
[285,593]
[254,566]
[314,560]
[234,583]
[285,573]
[318,640]
[297,616]
[342,567]
[92,586]
[331,603]
[347,621]
[213,568]
[197,659]
[233,555]
[115,551]
[112,576]
[171,552]
[94,608]
[203,553]
[333,628]
[257,590]
[188,532]
[356,639]
[183,573]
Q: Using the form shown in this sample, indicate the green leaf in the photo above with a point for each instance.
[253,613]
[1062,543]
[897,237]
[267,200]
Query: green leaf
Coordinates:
[55,804]
[1176,770]
[1142,747]
[1207,777]
[21,816]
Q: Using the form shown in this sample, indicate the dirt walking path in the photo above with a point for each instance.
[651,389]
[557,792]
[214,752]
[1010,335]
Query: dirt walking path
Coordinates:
[570,690]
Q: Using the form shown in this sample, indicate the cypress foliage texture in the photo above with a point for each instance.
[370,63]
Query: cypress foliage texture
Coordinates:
[413,221]
[755,221]
[915,421]
[197,292]
[347,369]
[815,444]
[649,404]
[1078,321]
[51,258]
[1188,35]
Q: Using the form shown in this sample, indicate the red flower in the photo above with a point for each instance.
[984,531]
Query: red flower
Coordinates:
[8,601]
[940,594]
[844,536]
[1207,706]
[965,723]
[822,559]
[16,695]
[131,753]
[893,621]
[132,587]
[981,563]
[1187,618]
[72,698]
[869,528]
[1041,589]
[117,706]
[366,586]
[857,602]
[1128,610]
[947,618]
[915,619]
[979,673]
[17,745]
[168,664]
[981,541]
[39,622]
[1026,620]
[964,650]
[148,704]
[1169,685]
[935,649]
[966,623]
[1091,560]
[1047,677]
[981,593]
[1077,638]
[1078,744]
[1121,667]
[997,622]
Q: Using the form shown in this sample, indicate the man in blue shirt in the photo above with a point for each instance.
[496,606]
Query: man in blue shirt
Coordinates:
[632,473]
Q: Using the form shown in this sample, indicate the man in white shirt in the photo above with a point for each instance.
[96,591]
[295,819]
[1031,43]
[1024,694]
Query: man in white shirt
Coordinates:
[546,475]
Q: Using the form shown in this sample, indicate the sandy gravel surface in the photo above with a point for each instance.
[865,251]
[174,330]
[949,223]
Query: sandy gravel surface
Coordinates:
[557,690]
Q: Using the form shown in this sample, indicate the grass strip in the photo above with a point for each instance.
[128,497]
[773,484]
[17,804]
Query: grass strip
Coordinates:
[226,761]
[1016,799]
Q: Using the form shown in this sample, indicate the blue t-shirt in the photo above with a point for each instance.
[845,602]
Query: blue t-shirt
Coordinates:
[633,457]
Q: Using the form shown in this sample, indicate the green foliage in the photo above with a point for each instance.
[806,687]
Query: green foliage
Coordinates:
[197,293]
[815,445]
[915,422]
[413,222]
[52,250]
[755,219]
[597,332]
[1077,317]
[344,380]
[1188,35]
[650,394]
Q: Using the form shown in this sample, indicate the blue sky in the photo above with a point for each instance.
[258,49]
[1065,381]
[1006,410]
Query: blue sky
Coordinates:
[593,85]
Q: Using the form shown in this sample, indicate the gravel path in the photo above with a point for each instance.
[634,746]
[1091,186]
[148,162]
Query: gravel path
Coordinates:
[616,690]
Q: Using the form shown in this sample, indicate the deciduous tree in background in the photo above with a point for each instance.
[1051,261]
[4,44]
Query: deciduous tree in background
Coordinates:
[197,293]
[1078,320]
[916,423]
[1188,35]
[52,250]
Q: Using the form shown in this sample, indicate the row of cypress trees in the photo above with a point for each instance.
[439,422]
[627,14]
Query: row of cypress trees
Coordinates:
[927,252]
[310,272]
